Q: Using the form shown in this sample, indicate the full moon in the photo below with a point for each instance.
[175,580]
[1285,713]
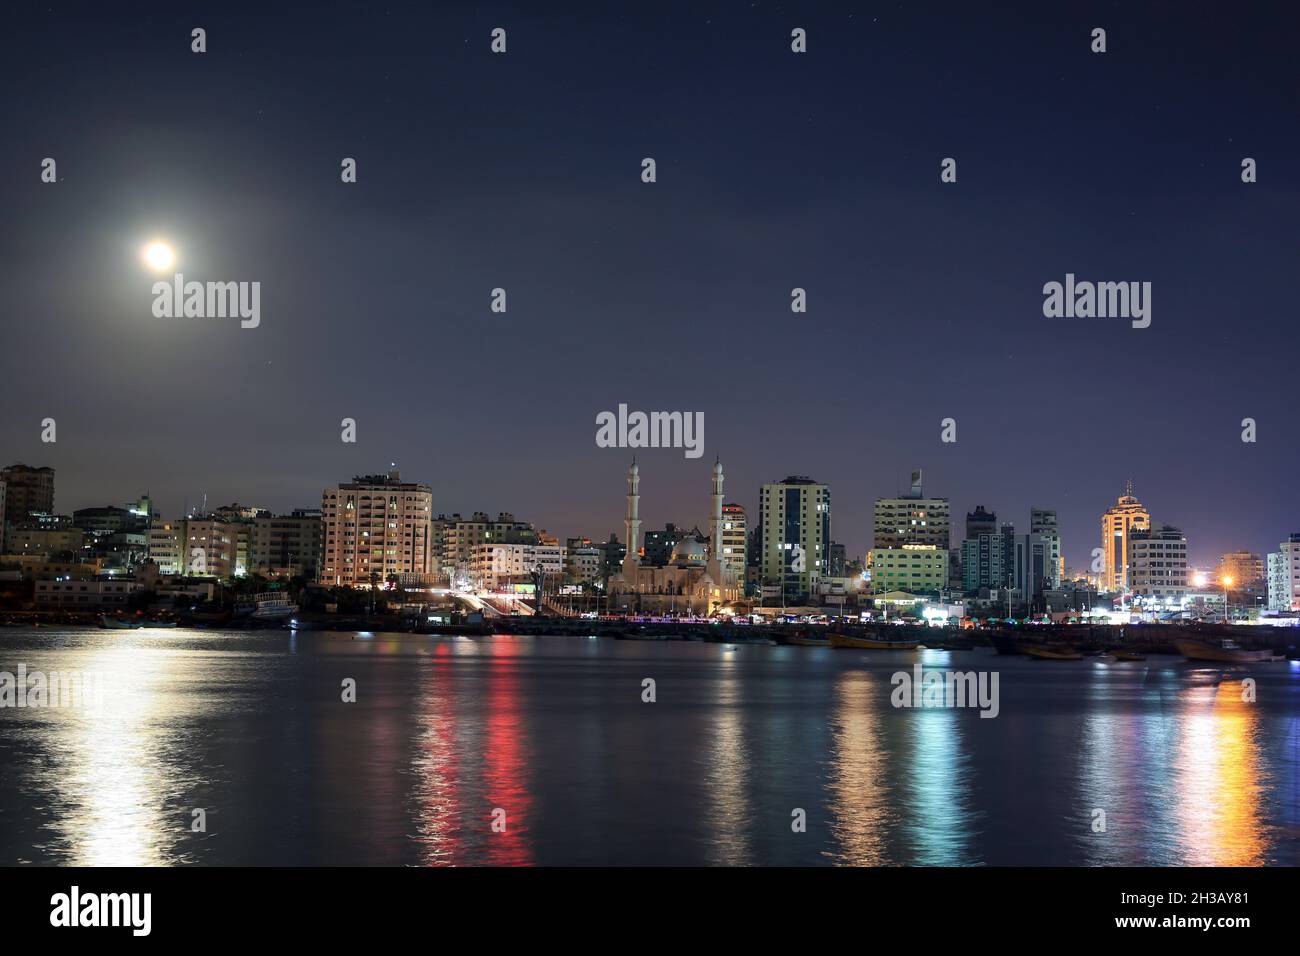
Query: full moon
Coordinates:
[159,256]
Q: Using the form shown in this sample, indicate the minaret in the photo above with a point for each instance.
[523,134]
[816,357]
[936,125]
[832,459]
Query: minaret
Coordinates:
[715,527]
[632,525]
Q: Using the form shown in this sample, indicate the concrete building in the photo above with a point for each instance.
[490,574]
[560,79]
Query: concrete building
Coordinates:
[28,491]
[111,519]
[167,546]
[657,546]
[454,538]
[914,568]
[912,519]
[1043,522]
[582,561]
[1157,564]
[987,555]
[1036,565]
[85,595]
[1284,575]
[375,526]
[1117,523]
[287,546]
[498,564]
[980,522]
[33,539]
[795,517]
[735,538]
[1246,569]
[211,548]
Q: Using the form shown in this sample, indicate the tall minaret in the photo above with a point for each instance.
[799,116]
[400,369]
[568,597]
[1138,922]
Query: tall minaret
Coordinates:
[715,526]
[632,525]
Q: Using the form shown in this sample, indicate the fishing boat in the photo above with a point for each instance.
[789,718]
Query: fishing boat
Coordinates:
[1226,651]
[117,623]
[870,643]
[1129,656]
[802,641]
[1053,653]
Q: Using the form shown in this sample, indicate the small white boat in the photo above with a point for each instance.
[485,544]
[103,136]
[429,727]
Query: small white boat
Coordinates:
[273,605]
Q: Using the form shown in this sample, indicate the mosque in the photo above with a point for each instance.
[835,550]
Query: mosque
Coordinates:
[695,581]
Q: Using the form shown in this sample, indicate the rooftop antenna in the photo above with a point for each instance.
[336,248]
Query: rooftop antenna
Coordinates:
[1128,487]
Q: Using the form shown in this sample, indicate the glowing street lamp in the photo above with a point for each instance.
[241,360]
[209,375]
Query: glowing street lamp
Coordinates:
[1227,583]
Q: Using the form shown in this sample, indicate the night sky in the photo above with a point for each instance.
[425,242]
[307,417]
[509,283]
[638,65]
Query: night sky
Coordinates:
[775,170]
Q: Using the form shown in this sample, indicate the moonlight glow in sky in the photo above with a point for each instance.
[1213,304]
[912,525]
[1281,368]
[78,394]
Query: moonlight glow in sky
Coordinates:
[775,170]
[159,256]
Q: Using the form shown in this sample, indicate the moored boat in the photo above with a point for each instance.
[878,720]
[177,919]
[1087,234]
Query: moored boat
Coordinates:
[801,641]
[117,623]
[870,643]
[1052,653]
[1226,651]
[273,605]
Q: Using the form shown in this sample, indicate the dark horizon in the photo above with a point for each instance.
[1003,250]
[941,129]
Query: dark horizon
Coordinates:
[775,171]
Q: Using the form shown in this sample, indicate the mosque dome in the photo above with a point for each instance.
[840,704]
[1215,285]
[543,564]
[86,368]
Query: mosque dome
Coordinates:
[690,551]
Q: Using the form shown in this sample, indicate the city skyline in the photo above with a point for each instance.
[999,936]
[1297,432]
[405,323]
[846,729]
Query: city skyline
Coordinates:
[1200,555]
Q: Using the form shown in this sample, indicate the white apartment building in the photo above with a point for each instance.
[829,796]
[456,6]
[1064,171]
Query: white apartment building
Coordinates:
[498,564]
[375,526]
[1284,576]
[1157,564]
[167,546]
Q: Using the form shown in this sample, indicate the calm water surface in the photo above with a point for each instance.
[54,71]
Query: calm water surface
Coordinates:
[251,728]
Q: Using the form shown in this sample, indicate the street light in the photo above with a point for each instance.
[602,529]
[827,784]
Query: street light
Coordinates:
[1227,583]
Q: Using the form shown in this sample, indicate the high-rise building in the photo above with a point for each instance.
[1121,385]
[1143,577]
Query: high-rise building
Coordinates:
[735,538]
[1035,563]
[1284,575]
[986,558]
[1157,564]
[1043,522]
[28,491]
[912,519]
[374,527]
[1125,516]
[796,520]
